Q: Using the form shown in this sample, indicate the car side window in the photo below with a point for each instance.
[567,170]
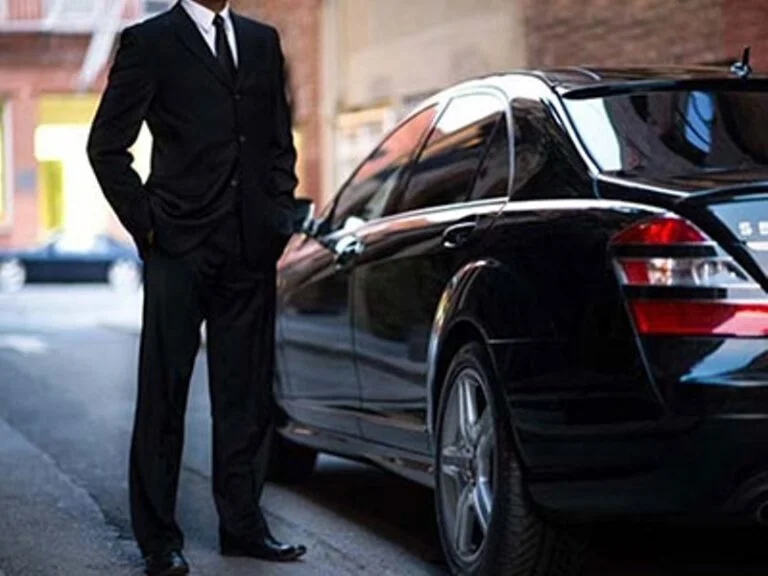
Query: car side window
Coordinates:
[493,176]
[545,159]
[446,168]
[74,244]
[366,195]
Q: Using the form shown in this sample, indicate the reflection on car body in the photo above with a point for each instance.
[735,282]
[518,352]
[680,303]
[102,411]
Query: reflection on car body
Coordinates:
[542,296]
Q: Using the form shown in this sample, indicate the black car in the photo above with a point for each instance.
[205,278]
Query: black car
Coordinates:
[69,258]
[544,295]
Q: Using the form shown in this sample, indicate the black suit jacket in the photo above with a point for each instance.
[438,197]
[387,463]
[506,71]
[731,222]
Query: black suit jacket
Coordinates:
[218,145]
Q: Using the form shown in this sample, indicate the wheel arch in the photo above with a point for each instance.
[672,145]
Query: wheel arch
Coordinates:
[458,321]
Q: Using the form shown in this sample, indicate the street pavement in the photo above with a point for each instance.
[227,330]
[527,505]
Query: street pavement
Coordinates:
[67,386]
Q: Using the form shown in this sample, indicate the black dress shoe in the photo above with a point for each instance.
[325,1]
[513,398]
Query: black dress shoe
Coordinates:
[263,548]
[170,563]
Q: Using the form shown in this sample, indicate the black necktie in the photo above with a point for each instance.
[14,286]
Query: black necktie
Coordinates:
[223,51]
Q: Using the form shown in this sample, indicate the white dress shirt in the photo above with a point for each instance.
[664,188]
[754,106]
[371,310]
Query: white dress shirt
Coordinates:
[203,18]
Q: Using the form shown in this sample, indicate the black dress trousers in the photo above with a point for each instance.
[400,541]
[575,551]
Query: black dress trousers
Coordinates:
[237,301]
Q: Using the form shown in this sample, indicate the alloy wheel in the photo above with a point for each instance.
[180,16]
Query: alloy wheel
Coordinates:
[467,463]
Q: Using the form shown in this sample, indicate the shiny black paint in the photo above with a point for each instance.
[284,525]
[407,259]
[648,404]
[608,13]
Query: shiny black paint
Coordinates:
[318,378]
[563,345]
[607,423]
[398,283]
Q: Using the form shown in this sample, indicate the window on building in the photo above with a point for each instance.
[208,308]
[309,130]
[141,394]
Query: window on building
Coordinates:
[357,133]
[369,191]
[446,168]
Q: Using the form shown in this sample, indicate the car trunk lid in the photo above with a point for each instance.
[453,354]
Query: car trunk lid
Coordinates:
[731,206]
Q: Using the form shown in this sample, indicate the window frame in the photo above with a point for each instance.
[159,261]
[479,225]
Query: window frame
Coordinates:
[330,212]
[455,95]
[504,100]
[484,159]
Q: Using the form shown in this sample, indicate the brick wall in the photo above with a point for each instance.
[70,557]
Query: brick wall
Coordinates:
[299,23]
[31,65]
[744,23]
[24,9]
[607,32]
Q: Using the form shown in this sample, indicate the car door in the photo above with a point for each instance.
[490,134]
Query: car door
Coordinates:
[75,258]
[37,262]
[458,184]
[320,386]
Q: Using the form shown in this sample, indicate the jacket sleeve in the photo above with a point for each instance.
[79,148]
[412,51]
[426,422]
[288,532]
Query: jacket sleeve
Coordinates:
[283,151]
[130,89]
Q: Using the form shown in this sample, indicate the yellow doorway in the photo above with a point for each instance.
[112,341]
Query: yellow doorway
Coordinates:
[70,197]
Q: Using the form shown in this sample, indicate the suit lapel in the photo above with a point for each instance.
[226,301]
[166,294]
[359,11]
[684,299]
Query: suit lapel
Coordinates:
[187,32]
[244,50]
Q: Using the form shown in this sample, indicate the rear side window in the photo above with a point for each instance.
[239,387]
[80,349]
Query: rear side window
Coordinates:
[493,177]
[546,164]
[446,168]
[369,191]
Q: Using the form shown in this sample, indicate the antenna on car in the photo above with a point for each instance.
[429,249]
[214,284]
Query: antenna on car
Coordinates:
[742,68]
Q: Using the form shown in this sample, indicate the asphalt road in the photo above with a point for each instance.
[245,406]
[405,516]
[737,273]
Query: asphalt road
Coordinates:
[67,384]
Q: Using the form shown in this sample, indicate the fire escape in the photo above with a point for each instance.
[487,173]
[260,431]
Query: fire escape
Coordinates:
[100,20]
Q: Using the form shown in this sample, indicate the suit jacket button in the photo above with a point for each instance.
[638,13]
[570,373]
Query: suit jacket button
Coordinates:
[242,139]
[238,96]
[234,182]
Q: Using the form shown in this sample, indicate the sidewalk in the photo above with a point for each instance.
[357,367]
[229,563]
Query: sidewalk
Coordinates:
[49,526]
[127,317]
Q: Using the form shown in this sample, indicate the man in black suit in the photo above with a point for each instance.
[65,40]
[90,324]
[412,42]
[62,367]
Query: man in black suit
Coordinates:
[210,223]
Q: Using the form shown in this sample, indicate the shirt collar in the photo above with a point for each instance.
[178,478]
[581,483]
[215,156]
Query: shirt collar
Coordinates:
[202,16]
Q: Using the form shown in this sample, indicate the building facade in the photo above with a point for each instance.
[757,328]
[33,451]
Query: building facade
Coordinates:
[381,58]
[355,68]
[641,32]
[54,57]
[52,69]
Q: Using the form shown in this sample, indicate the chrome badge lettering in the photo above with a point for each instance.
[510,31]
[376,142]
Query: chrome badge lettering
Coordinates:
[750,229]
[745,229]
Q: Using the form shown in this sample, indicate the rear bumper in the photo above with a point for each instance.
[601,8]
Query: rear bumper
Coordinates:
[717,468]
[705,455]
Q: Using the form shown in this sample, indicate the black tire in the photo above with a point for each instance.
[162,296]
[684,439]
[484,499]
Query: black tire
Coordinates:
[518,541]
[290,463]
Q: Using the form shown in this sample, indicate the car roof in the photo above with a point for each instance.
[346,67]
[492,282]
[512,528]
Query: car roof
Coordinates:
[573,80]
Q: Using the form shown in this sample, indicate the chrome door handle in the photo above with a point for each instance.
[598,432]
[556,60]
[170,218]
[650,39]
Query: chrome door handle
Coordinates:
[347,249]
[458,234]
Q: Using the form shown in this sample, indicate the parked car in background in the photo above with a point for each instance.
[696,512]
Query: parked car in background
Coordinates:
[544,295]
[70,258]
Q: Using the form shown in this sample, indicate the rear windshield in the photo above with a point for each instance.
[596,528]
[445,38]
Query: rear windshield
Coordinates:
[674,131]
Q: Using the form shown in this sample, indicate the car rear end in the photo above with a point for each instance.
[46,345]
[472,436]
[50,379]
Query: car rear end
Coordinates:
[699,307]
[694,276]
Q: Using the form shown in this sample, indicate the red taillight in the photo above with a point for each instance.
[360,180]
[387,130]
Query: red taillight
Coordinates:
[658,256]
[664,230]
[685,318]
